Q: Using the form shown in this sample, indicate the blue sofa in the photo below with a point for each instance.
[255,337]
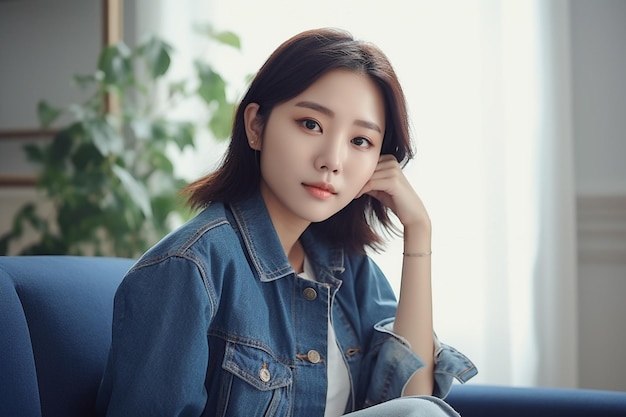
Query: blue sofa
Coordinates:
[55,319]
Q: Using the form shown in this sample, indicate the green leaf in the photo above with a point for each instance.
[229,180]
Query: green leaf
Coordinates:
[85,81]
[46,113]
[161,162]
[29,215]
[224,37]
[86,155]
[80,112]
[159,131]
[157,55]
[228,38]
[141,128]
[116,64]
[167,203]
[178,88]
[135,190]
[60,146]
[5,239]
[221,121]
[212,85]
[184,135]
[33,153]
[104,136]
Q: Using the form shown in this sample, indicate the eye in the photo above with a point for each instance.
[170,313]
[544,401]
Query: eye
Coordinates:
[310,124]
[362,142]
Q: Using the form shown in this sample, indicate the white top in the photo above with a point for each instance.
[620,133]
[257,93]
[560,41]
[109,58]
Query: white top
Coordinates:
[338,378]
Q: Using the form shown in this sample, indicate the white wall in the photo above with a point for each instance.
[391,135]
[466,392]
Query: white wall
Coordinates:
[598,31]
[43,44]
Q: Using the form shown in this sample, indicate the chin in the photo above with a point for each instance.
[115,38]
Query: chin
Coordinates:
[320,217]
[316,211]
[319,220]
[316,218]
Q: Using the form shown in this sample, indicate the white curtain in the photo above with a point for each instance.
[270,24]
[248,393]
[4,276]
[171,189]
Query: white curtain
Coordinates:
[522,224]
[555,267]
[487,83]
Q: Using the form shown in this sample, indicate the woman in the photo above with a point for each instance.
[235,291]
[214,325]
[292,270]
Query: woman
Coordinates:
[266,303]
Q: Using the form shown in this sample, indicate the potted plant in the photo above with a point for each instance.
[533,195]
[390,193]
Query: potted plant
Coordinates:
[108,173]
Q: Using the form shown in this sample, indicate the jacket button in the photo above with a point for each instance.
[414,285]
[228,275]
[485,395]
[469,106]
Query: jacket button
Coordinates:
[264,374]
[313,356]
[309,293]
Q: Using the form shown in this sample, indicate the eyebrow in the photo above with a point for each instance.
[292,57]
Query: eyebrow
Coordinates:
[325,110]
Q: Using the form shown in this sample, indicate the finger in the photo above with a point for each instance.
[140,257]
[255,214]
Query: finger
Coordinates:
[387,157]
[380,183]
[382,179]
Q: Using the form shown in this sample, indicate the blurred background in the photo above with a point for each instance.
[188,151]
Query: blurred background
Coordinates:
[518,111]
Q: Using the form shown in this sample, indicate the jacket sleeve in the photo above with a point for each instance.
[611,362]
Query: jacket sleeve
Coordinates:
[159,352]
[389,361]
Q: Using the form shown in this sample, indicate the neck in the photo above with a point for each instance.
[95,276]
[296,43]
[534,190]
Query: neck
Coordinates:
[289,229]
[296,257]
[289,236]
[294,251]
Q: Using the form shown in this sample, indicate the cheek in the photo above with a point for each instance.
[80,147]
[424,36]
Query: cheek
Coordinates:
[366,168]
[278,160]
[360,173]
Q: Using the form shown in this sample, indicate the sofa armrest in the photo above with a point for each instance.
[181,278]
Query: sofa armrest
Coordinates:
[490,400]
[55,332]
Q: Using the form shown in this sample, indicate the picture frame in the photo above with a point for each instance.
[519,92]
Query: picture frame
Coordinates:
[18,125]
[15,169]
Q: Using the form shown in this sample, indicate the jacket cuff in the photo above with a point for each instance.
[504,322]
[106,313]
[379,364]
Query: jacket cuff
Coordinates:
[400,363]
[394,365]
[451,364]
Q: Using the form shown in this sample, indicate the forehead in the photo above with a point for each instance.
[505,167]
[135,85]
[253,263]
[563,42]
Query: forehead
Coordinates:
[346,93]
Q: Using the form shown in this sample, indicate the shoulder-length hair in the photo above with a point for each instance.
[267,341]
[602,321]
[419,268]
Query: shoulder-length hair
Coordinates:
[290,70]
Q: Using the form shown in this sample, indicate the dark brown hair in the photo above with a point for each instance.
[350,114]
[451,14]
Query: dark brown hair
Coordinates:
[290,70]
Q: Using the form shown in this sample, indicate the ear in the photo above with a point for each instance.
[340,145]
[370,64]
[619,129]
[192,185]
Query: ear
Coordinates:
[253,125]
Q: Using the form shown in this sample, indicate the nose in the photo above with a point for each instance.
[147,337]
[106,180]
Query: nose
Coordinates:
[331,156]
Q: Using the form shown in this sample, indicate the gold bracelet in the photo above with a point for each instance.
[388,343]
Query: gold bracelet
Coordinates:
[417,254]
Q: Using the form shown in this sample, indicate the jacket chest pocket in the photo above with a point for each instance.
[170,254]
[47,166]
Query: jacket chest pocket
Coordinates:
[255,383]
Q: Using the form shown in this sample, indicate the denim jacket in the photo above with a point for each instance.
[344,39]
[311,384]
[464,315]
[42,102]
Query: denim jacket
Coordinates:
[213,321]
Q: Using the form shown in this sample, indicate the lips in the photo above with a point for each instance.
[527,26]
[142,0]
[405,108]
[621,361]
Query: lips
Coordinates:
[322,186]
[320,190]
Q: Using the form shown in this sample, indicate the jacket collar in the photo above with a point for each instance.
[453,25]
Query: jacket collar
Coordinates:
[265,250]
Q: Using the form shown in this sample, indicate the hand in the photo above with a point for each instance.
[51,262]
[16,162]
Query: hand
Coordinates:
[390,186]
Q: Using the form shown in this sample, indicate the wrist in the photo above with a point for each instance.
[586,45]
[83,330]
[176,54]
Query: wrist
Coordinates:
[417,238]
[422,230]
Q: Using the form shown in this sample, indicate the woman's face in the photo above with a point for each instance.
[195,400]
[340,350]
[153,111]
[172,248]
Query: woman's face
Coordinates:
[320,148]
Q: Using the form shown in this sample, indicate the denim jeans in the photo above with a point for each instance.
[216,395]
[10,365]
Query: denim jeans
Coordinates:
[418,406]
